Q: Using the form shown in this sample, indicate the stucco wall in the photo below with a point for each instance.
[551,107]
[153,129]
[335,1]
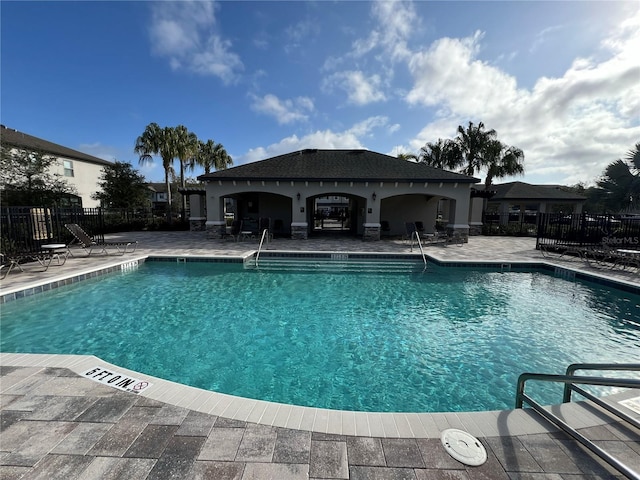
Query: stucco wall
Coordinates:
[85,179]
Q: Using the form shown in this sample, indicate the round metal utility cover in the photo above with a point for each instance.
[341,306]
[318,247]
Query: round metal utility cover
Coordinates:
[463,447]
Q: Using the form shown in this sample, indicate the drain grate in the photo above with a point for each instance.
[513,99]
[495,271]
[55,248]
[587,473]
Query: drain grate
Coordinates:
[463,447]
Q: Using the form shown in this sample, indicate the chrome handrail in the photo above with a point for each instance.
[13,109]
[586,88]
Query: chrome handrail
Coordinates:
[571,369]
[424,257]
[265,233]
[570,382]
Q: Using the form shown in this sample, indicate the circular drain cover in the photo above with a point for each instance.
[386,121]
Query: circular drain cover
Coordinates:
[463,447]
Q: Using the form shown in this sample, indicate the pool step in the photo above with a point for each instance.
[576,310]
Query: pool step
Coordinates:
[333,265]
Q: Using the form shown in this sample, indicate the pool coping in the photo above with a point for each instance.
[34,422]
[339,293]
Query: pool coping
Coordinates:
[494,423]
[367,424]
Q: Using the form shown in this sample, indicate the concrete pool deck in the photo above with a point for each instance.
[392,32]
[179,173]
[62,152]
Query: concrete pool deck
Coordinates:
[56,424]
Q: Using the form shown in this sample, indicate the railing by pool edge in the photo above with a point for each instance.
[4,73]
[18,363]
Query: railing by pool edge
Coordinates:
[570,380]
[424,257]
[265,233]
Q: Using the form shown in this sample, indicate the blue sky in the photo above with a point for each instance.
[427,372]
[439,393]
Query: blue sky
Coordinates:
[560,80]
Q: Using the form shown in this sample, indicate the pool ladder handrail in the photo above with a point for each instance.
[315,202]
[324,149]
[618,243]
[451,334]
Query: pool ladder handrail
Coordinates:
[265,234]
[570,380]
[417,235]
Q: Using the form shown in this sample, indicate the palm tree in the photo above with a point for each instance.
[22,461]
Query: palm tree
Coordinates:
[620,182]
[186,149]
[633,157]
[442,154]
[472,143]
[407,156]
[501,161]
[158,141]
[212,155]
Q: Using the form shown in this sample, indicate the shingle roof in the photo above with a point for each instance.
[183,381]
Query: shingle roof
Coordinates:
[526,191]
[29,142]
[340,165]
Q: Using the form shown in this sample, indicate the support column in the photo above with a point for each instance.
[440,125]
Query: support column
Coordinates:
[216,225]
[299,230]
[197,218]
[371,232]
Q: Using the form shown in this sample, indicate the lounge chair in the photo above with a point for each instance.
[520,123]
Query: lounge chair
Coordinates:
[89,243]
[9,262]
[43,255]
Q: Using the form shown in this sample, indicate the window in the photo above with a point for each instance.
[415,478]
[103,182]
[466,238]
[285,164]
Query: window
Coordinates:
[68,168]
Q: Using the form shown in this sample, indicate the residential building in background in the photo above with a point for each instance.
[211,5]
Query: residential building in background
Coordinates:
[79,169]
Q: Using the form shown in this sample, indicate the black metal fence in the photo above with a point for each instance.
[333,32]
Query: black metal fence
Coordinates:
[587,230]
[24,229]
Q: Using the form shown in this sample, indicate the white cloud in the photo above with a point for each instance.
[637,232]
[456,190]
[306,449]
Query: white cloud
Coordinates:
[569,126]
[184,32]
[360,90]
[284,111]
[323,139]
[395,23]
[543,37]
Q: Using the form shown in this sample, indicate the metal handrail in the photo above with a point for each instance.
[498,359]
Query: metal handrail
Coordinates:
[570,380]
[424,257]
[265,232]
[571,369]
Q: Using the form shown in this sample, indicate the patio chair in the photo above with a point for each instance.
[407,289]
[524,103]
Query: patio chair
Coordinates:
[410,231]
[264,223]
[89,243]
[236,228]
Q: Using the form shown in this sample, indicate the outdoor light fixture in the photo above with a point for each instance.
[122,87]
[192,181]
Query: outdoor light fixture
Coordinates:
[298,196]
[373,197]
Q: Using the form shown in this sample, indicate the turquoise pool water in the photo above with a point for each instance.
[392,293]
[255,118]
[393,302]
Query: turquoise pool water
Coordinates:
[444,340]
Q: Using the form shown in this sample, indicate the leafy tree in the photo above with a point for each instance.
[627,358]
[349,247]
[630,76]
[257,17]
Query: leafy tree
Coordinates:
[27,173]
[212,155]
[122,187]
[441,154]
[159,141]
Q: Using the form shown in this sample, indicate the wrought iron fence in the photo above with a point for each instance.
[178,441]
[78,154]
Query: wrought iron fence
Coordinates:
[24,229]
[586,230]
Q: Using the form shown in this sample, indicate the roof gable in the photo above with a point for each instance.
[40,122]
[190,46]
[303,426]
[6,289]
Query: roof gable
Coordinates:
[29,142]
[337,165]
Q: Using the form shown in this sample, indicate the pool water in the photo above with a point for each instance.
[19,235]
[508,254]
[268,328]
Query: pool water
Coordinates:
[448,339]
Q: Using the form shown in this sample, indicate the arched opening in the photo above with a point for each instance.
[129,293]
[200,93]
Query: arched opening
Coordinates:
[335,213]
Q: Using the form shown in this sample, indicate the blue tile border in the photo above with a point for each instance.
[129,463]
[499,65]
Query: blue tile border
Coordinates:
[27,292]
[494,266]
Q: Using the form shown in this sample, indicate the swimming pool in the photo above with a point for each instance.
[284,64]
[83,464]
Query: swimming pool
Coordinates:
[449,339]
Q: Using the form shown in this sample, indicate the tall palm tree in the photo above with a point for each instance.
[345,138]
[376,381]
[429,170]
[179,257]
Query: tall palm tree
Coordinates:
[442,154]
[501,161]
[158,141]
[212,155]
[186,149]
[472,142]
